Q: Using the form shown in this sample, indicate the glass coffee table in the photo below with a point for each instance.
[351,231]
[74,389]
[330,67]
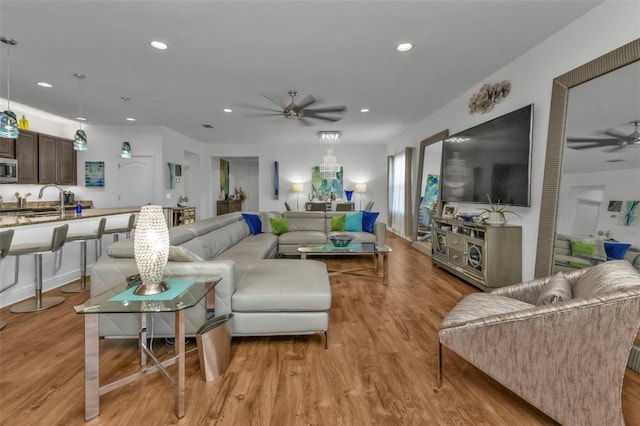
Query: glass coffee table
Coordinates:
[379,251]
[184,292]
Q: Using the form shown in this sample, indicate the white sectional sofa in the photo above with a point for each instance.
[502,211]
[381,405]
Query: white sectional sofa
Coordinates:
[265,294]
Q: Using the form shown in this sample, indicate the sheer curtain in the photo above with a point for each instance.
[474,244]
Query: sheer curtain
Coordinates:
[400,212]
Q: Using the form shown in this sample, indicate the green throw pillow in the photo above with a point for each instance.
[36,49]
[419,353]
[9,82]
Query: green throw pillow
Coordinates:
[337,222]
[279,225]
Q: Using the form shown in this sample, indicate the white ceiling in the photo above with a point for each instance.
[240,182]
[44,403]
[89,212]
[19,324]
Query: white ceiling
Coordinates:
[226,53]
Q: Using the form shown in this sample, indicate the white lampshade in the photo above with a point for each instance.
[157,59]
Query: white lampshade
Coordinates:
[361,187]
[297,187]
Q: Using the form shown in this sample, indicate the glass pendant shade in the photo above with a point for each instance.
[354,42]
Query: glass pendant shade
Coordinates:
[9,125]
[80,140]
[151,250]
[125,151]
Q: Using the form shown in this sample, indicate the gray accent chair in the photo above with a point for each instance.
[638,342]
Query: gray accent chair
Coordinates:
[567,357]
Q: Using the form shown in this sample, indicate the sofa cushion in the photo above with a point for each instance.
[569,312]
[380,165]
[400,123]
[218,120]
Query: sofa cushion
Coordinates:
[556,290]
[480,305]
[181,254]
[338,222]
[283,285]
[368,219]
[254,223]
[279,225]
[302,238]
[353,222]
[588,248]
[605,277]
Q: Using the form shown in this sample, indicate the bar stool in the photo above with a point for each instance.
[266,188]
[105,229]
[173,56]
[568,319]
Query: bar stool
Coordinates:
[82,239]
[5,243]
[38,249]
[122,230]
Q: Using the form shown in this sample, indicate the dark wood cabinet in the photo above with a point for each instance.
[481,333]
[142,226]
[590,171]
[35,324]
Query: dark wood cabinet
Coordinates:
[56,160]
[27,156]
[7,148]
[228,206]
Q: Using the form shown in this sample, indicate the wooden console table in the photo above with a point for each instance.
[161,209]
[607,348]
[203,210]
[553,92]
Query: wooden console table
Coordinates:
[228,206]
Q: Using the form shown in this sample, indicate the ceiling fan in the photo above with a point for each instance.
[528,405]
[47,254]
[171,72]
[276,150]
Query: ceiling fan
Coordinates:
[619,140]
[299,111]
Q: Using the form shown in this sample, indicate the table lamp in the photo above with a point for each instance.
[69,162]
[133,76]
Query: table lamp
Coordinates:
[151,250]
[361,188]
[297,188]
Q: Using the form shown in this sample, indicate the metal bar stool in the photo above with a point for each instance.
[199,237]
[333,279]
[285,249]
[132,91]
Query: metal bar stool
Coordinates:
[5,243]
[82,238]
[38,249]
[122,230]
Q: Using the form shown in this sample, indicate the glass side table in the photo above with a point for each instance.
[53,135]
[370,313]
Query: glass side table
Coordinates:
[184,292]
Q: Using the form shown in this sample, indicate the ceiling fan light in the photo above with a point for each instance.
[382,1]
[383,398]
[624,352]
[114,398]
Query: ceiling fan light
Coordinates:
[80,140]
[125,151]
[9,125]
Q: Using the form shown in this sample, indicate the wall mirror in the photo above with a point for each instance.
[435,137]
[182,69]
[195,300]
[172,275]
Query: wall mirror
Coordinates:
[428,189]
[587,168]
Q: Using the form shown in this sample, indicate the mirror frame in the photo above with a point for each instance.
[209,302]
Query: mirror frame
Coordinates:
[618,58]
[440,136]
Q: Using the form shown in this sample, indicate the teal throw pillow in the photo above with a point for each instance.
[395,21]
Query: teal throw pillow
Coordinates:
[279,225]
[353,222]
[338,222]
[368,219]
[254,222]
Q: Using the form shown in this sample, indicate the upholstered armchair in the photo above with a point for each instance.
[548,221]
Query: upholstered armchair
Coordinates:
[559,342]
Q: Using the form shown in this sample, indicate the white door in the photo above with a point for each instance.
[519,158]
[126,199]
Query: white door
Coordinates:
[136,181]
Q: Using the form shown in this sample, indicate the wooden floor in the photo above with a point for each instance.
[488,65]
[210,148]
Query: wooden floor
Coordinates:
[380,367]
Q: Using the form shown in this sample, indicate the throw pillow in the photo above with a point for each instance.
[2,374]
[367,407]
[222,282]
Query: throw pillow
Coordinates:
[253,220]
[368,220]
[338,222]
[181,254]
[556,290]
[353,222]
[279,225]
[588,248]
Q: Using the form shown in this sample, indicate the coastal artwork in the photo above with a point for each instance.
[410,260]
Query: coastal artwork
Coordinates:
[322,186]
[171,172]
[94,174]
[629,216]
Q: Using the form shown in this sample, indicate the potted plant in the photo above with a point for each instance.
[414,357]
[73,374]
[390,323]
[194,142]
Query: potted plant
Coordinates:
[495,214]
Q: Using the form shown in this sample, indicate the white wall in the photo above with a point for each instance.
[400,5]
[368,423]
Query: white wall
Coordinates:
[606,27]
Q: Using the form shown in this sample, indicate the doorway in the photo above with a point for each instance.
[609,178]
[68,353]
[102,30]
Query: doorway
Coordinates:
[141,170]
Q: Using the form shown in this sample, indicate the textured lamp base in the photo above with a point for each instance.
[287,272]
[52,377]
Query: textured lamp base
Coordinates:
[32,306]
[149,289]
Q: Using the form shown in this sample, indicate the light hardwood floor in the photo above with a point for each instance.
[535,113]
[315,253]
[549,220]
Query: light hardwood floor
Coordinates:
[380,367]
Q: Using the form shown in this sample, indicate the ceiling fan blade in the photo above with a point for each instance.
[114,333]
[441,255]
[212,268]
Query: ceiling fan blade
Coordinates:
[259,108]
[306,102]
[303,121]
[595,140]
[613,149]
[262,115]
[318,117]
[272,101]
[617,134]
[585,146]
[341,108]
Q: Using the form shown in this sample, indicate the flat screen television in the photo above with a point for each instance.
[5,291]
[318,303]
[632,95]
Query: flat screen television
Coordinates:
[492,159]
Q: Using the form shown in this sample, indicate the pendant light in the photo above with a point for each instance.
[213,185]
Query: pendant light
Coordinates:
[8,121]
[80,138]
[125,151]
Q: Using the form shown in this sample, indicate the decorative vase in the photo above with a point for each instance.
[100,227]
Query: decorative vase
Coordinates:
[349,194]
[151,250]
[495,218]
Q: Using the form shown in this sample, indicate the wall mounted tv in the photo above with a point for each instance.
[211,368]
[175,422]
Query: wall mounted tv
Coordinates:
[493,158]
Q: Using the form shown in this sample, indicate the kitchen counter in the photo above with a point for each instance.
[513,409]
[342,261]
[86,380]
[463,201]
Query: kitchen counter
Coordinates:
[18,218]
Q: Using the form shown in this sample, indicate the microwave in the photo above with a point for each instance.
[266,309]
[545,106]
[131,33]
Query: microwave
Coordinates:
[8,170]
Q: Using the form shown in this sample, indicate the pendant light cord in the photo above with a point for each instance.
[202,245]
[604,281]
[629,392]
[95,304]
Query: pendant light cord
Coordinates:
[9,76]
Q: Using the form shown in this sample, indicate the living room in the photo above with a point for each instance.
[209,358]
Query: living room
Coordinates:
[530,72]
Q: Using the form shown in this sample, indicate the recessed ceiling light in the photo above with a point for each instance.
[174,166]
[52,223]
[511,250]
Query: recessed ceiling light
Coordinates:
[81,119]
[404,47]
[227,110]
[44,84]
[364,110]
[159,45]
[130,119]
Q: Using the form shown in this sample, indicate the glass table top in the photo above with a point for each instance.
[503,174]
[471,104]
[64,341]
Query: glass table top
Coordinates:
[184,292]
[352,248]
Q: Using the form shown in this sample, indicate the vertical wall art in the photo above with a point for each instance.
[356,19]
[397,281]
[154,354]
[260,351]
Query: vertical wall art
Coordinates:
[276,180]
[94,173]
[224,178]
[170,175]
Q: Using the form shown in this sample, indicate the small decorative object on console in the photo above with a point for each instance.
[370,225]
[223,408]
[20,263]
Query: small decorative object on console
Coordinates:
[182,201]
[341,240]
[494,215]
[449,211]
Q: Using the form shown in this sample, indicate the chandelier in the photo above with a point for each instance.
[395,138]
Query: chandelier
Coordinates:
[329,167]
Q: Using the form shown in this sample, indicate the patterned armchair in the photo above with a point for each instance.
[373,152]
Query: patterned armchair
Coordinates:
[560,342]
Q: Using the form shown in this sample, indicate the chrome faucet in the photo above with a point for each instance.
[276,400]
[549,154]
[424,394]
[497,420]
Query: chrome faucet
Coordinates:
[61,196]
